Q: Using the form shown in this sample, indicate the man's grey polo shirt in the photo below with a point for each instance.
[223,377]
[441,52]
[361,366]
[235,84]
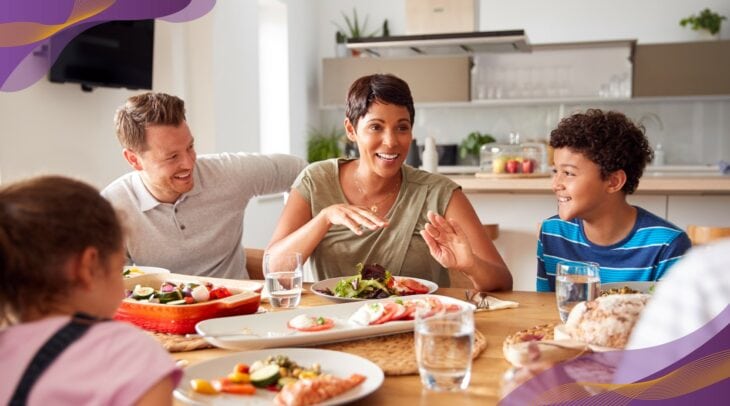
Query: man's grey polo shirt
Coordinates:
[201,233]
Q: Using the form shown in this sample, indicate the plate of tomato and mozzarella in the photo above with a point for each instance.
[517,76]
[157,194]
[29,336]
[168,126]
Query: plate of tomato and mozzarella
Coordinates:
[323,324]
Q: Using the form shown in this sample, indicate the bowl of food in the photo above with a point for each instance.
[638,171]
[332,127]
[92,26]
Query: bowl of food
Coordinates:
[173,303]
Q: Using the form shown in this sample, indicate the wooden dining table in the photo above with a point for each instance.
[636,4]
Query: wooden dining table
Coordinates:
[487,370]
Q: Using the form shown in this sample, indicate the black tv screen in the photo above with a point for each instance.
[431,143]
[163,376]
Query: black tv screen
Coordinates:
[112,54]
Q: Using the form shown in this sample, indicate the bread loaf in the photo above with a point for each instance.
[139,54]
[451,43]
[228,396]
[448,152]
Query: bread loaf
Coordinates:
[606,321]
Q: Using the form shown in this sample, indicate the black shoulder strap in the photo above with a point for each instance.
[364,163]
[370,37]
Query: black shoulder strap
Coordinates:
[72,331]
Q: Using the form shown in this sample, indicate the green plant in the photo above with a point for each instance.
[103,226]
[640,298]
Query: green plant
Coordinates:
[324,144]
[473,142]
[354,28]
[706,20]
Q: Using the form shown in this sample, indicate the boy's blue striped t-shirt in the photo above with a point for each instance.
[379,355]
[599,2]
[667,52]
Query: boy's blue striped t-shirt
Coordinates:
[652,247]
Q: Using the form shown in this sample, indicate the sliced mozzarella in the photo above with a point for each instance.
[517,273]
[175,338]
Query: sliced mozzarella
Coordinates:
[302,321]
[367,314]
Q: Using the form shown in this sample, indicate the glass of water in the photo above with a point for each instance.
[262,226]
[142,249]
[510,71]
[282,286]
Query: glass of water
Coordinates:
[444,343]
[575,282]
[283,278]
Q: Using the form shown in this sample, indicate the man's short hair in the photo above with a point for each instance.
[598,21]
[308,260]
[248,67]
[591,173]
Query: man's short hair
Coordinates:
[144,110]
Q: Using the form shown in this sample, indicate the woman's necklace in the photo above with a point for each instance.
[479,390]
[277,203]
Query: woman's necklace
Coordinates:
[375,206]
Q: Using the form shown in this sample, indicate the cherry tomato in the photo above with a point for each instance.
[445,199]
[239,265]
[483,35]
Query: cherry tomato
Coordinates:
[219,293]
[238,388]
[203,386]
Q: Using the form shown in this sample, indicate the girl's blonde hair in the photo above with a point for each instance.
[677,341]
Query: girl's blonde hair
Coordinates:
[44,222]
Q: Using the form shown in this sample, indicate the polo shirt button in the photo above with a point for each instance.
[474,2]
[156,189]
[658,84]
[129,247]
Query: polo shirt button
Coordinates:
[182,226]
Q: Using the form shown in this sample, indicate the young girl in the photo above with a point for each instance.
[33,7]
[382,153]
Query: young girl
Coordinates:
[61,256]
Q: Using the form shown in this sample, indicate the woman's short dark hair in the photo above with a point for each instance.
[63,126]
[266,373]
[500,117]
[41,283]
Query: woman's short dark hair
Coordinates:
[609,139]
[44,222]
[385,88]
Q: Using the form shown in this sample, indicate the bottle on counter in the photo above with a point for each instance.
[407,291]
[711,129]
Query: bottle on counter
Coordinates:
[658,155]
[430,156]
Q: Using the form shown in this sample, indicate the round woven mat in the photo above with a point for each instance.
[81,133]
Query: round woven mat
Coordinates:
[394,354]
[178,343]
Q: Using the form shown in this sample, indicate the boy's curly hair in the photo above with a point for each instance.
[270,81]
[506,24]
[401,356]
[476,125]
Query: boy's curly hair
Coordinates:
[609,139]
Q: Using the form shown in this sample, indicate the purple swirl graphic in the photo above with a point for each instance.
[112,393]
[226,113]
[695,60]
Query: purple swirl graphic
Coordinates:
[694,369]
[27,26]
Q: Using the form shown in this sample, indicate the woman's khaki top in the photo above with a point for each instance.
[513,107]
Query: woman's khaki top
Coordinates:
[399,247]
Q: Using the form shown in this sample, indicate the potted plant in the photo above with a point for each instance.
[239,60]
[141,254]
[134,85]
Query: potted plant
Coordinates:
[707,20]
[324,144]
[355,29]
[471,146]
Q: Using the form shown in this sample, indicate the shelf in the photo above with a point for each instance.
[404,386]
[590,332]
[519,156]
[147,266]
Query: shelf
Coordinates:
[568,101]
[439,44]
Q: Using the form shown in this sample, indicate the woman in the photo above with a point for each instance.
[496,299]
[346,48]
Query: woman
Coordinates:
[376,210]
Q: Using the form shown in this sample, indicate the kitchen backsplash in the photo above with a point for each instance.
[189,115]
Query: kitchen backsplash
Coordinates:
[691,132]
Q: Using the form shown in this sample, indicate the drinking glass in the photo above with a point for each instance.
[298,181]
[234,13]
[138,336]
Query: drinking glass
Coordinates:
[283,278]
[575,282]
[444,343]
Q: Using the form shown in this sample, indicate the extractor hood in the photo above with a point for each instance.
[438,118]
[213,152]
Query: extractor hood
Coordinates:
[450,43]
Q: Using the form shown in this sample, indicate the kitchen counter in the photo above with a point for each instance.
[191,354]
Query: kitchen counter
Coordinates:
[656,183]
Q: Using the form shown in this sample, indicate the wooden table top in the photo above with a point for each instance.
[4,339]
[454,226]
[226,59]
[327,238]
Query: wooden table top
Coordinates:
[487,370]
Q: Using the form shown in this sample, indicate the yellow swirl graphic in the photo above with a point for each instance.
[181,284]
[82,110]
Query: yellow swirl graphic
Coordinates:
[24,33]
[689,378]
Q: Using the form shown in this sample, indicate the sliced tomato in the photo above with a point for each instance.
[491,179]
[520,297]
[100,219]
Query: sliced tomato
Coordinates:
[219,293]
[321,323]
[452,307]
[390,309]
[238,388]
[414,286]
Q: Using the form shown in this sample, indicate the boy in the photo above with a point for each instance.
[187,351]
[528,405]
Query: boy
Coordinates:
[599,158]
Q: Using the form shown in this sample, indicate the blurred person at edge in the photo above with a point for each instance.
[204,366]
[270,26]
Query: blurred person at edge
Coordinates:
[374,209]
[599,158]
[184,212]
[61,255]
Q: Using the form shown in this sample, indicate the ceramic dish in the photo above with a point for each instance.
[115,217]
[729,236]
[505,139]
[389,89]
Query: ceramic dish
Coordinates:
[336,363]
[181,319]
[332,282]
[135,270]
[269,330]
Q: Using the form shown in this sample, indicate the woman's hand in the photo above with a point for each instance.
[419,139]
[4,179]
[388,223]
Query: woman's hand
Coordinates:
[447,243]
[353,217]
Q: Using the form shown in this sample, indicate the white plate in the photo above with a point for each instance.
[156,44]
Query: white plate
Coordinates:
[336,363]
[144,270]
[332,282]
[642,287]
[269,330]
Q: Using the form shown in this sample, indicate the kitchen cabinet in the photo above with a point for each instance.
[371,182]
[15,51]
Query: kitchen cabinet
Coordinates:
[682,69]
[431,78]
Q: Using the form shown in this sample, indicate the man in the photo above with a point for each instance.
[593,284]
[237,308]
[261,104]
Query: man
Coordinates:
[182,212]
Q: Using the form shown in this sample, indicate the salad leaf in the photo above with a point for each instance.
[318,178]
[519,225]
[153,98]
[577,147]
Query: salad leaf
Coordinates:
[374,286]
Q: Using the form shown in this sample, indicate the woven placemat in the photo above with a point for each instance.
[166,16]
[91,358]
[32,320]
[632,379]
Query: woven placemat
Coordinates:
[394,354]
[179,343]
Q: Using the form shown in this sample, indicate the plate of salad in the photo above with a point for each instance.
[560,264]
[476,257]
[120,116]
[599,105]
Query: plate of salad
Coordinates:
[372,281]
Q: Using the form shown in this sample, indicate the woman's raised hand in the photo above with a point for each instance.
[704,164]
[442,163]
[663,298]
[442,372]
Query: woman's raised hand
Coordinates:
[447,242]
[353,217]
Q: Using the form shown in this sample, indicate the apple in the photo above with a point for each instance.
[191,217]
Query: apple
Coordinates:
[528,166]
[513,166]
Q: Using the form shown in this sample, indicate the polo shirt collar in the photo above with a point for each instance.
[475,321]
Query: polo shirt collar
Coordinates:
[149,202]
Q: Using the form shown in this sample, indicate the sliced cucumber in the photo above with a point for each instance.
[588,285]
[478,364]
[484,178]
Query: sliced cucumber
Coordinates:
[167,297]
[265,376]
[142,292]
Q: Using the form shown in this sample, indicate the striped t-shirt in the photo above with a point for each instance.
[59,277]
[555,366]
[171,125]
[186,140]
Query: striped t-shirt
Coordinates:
[652,247]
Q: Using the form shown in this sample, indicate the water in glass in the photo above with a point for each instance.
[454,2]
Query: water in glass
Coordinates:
[443,350]
[283,279]
[575,283]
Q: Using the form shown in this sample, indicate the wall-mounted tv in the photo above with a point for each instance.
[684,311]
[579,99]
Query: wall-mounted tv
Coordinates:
[112,54]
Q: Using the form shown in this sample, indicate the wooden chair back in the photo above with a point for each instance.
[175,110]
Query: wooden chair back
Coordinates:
[254,263]
[458,280]
[704,234]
